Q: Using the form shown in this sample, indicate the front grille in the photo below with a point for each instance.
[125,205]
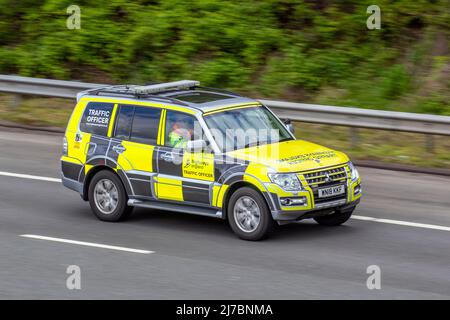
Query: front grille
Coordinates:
[326,178]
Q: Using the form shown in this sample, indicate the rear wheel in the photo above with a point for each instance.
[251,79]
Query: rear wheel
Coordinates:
[335,219]
[248,214]
[108,198]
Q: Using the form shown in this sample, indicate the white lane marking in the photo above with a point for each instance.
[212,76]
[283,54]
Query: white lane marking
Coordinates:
[403,223]
[27,176]
[88,244]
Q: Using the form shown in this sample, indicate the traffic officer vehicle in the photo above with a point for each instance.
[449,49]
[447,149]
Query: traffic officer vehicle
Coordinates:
[182,147]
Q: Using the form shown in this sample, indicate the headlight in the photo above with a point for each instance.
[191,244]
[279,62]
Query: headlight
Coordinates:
[353,171]
[287,181]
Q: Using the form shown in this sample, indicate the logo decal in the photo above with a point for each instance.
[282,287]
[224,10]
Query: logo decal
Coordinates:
[78,137]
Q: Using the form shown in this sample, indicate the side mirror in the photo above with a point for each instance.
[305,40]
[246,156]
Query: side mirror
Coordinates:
[196,146]
[289,126]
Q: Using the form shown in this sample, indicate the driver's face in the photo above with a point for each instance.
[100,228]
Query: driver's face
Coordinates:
[183,124]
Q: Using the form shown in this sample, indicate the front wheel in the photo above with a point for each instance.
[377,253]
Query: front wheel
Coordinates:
[248,215]
[335,219]
[108,198]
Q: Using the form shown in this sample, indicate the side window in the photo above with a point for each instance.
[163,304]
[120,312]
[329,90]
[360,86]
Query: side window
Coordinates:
[181,128]
[145,125]
[137,124]
[96,118]
[123,122]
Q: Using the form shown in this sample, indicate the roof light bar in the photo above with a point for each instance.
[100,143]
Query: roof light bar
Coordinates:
[176,85]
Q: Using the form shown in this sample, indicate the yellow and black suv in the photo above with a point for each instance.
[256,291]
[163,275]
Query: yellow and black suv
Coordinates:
[182,147]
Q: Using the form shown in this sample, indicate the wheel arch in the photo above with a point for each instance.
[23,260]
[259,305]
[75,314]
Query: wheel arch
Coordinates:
[92,172]
[240,184]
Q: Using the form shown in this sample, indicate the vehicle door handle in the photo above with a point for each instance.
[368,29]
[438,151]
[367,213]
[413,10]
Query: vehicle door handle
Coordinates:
[119,148]
[167,156]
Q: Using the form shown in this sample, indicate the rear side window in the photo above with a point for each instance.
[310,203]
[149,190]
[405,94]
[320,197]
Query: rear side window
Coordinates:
[123,123]
[138,124]
[96,118]
[145,125]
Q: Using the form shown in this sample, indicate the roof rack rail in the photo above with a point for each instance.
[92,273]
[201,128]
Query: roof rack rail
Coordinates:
[112,88]
[126,91]
[231,93]
[161,87]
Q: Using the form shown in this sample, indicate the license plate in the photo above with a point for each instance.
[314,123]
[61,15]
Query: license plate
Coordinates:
[331,191]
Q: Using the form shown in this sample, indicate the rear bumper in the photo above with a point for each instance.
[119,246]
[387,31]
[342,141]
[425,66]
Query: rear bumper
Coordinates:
[72,184]
[319,210]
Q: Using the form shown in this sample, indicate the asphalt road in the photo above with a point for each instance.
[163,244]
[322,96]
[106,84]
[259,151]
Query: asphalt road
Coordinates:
[200,258]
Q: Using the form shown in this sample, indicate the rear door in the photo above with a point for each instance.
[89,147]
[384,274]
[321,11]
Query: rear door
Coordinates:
[133,145]
[183,176]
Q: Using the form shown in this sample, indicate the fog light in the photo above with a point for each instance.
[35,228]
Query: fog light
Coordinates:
[299,201]
[357,190]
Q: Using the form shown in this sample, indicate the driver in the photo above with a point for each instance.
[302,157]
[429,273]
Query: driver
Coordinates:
[181,132]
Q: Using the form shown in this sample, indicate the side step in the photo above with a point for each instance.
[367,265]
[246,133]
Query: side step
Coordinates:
[176,207]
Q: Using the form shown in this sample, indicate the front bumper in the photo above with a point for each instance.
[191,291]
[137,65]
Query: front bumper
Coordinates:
[312,206]
[297,215]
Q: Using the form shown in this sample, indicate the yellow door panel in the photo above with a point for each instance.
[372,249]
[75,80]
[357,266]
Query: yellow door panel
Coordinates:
[138,156]
[199,166]
[123,162]
[169,189]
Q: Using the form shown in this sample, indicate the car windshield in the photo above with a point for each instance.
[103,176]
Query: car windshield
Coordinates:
[245,127]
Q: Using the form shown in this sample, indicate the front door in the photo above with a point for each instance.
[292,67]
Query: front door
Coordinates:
[183,176]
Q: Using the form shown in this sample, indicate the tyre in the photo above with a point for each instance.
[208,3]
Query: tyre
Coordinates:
[108,198]
[248,215]
[335,219]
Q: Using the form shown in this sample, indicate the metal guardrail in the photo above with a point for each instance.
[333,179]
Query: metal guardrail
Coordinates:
[342,116]
[43,87]
[362,118]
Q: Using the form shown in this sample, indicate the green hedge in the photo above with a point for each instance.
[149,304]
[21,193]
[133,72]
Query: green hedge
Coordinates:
[319,51]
